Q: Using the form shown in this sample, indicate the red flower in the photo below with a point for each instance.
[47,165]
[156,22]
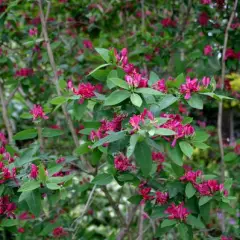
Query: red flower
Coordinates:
[38,112]
[189,87]
[21,230]
[33,32]
[177,212]
[168,22]
[34,171]
[86,90]
[87,44]
[208,50]
[122,163]
[191,176]
[160,85]
[6,207]
[203,19]
[237,149]
[161,197]
[59,232]
[24,72]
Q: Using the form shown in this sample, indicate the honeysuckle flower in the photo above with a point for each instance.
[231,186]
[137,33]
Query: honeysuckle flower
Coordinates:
[189,87]
[168,22]
[3,139]
[206,81]
[21,230]
[177,211]
[158,158]
[161,197]
[160,85]
[205,2]
[203,19]
[226,238]
[208,50]
[6,207]
[87,44]
[230,53]
[135,120]
[38,112]
[59,232]
[85,90]
[122,163]
[24,72]
[33,32]
[237,149]
[191,176]
[34,171]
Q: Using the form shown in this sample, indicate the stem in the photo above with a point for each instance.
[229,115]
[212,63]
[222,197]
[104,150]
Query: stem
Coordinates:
[140,227]
[143,15]
[232,138]
[54,68]
[5,114]
[220,105]
[40,138]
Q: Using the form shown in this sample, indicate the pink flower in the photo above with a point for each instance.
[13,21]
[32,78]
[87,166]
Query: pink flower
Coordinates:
[145,192]
[160,85]
[189,87]
[60,160]
[177,212]
[230,54]
[38,112]
[208,50]
[159,158]
[206,81]
[226,238]
[205,2]
[33,32]
[168,22]
[86,90]
[3,139]
[24,72]
[237,149]
[203,19]
[87,44]
[191,176]
[135,120]
[6,207]
[161,197]
[59,232]
[148,114]
[122,163]
[21,230]
[34,171]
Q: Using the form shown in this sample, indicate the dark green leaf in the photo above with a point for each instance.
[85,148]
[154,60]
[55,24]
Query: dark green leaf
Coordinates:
[33,200]
[195,222]
[166,101]
[203,200]
[168,222]
[83,148]
[190,190]
[50,132]
[102,179]
[29,186]
[26,134]
[116,97]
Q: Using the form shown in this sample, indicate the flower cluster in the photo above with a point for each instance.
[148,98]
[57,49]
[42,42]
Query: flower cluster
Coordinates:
[175,123]
[7,208]
[208,50]
[24,72]
[205,188]
[160,85]
[122,163]
[87,44]
[189,87]
[34,171]
[59,232]
[203,19]
[136,120]
[85,90]
[33,32]
[161,197]
[159,158]
[231,54]
[168,22]
[37,112]
[177,212]
[132,77]
[114,126]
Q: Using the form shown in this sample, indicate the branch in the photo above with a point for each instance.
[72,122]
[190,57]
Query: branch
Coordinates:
[140,226]
[54,68]
[114,205]
[5,114]
[11,95]
[220,105]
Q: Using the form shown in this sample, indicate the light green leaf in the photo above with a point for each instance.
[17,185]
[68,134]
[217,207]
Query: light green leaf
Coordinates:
[53,186]
[116,97]
[26,134]
[83,148]
[119,82]
[50,132]
[104,53]
[203,200]
[133,141]
[195,222]
[29,186]
[136,99]
[149,91]
[195,101]
[186,148]
[164,132]
[190,190]
[168,222]
[166,101]
[58,100]
[153,78]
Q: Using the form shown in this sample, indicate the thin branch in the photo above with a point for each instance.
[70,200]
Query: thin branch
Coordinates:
[89,201]
[140,225]
[5,114]
[220,105]
[10,97]
[143,15]
[54,68]
[40,138]
[114,205]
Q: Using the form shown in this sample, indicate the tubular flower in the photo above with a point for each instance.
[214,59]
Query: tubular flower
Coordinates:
[87,44]
[38,112]
[159,158]
[189,87]
[161,197]
[122,163]
[6,207]
[168,22]
[59,232]
[34,171]
[203,19]
[208,50]
[177,212]
[160,85]
[206,81]
[24,72]
[191,176]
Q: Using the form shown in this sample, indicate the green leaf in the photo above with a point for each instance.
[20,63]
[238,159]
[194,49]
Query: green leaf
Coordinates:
[203,200]
[50,132]
[143,157]
[187,120]
[184,231]
[153,78]
[205,212]
[166,101]
[114,136]
[158,212]
[79,109]
[26,156]
[186,148]
[119,82]
[200,145]
[102,179]
[168,222]
[136,100]
[42,174]
[26,115]
[136,199]
[228,184]
[133,141]
[83,148]
[195,101]
[164,132]
[180,79]
[116,97]
[195,222]
[149,91]
[33,199]
[230,157]
[29,186]
[200,136]
[178,170]
[26,134]
[58,100]
[9,222]
[104,53]
[96,69]
[190,190]
[53,186]
[2,187]
[175,154]
[96,157]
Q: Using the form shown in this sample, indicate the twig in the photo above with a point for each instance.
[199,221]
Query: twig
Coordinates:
[220,105]
[40,138]
[139,237]
[5,114]
[143,15]
[54,68]
[114,205]
[89,201]
[140,226]
[10,97]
